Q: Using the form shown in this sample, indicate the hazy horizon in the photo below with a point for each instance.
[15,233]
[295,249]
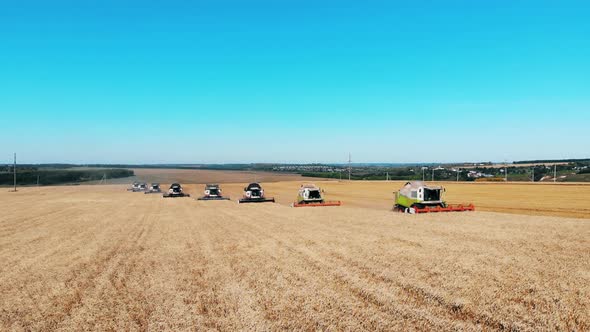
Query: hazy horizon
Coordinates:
[140,82]
[509,162]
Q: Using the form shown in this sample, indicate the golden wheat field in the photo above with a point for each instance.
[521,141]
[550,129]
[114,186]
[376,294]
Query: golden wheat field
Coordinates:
[560,199]
[101,258]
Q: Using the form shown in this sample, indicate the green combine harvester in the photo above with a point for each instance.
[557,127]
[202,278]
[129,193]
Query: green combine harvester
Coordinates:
[418,197]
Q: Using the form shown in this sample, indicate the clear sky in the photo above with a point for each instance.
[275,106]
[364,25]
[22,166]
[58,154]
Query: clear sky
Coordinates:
[294,81]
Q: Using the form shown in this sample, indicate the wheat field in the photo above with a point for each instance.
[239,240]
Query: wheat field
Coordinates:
[543,199]
[101,258]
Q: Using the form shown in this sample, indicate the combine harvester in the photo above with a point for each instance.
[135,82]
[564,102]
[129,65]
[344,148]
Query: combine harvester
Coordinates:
[175,191]
[154,189]
[134,186]
[254,193]
[417,197]
[142,186]
[213,193]
[310,195]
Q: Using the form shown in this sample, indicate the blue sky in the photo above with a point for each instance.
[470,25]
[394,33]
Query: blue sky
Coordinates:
[294,81]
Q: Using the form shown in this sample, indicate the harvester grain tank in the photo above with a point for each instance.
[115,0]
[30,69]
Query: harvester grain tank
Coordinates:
[310,196]
[254,193]
[175,191]
[154,189]
[213,193]
[418,197]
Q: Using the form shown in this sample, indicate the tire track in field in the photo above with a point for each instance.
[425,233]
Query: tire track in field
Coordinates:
[122,278]
[228,302]
[344,285]
[283,314]
[420,295]
[416,294]
[357,283]
[38,210]
[23,224]
[82,279]
[194,277]
[241,268]
[191,281]
[73,237]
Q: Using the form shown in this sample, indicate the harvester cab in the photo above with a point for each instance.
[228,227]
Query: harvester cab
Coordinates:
[310,195]
[418,197]
[254,193]
[176,191]
[212,193]
[154,189]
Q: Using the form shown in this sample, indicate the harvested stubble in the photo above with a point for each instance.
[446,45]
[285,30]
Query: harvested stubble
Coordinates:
[99,258]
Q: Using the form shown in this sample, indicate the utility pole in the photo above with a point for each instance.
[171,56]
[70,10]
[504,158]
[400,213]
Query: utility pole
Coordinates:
[533,178]
[433,175]
[505,171]
[349,166]
[423,175]
[555,173]
[458,175]
[37,180]
[387,176]
[14,171]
